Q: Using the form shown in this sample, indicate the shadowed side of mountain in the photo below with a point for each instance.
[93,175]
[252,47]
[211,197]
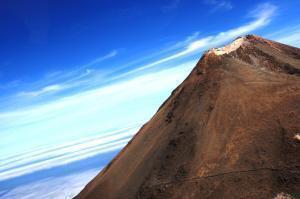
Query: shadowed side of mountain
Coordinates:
[230,130]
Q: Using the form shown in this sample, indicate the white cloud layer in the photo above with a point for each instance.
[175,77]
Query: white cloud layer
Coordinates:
[65,187]
[63,154]
[79,117]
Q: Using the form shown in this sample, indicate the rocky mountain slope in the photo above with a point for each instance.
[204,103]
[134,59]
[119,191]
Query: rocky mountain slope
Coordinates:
[230,130]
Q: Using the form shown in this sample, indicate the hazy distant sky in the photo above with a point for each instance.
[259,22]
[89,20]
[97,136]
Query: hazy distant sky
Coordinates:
[78,78]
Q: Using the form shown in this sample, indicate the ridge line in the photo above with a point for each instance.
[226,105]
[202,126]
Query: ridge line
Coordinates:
[220,174]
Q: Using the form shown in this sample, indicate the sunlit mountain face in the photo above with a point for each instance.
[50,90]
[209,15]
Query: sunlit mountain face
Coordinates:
[78,79]
[229,130]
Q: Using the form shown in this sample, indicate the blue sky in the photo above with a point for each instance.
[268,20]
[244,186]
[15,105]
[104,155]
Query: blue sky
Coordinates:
[79,78]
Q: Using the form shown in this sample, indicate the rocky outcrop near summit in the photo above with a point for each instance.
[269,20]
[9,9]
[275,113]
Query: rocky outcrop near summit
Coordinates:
[230,130]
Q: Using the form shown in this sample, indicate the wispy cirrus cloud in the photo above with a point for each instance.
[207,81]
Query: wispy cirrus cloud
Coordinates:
[262,15]
[10,84]
[264,11]
[81,71]
[288,35]
[61,80]
[171,5]
[189,39]
[101,59]
[42,91]
[219,4]
[290,39]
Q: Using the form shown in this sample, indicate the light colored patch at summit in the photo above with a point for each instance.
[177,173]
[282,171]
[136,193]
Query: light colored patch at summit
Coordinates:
[297,136]
[230,47]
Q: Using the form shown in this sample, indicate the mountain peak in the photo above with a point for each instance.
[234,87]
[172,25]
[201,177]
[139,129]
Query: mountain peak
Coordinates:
[229,130]
[228,48]
[235,44]
[257,52]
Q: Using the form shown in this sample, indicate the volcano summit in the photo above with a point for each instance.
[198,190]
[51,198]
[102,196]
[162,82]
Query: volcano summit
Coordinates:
[230,130]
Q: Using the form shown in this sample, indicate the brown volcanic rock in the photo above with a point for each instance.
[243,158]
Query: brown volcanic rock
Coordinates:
[230,130]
